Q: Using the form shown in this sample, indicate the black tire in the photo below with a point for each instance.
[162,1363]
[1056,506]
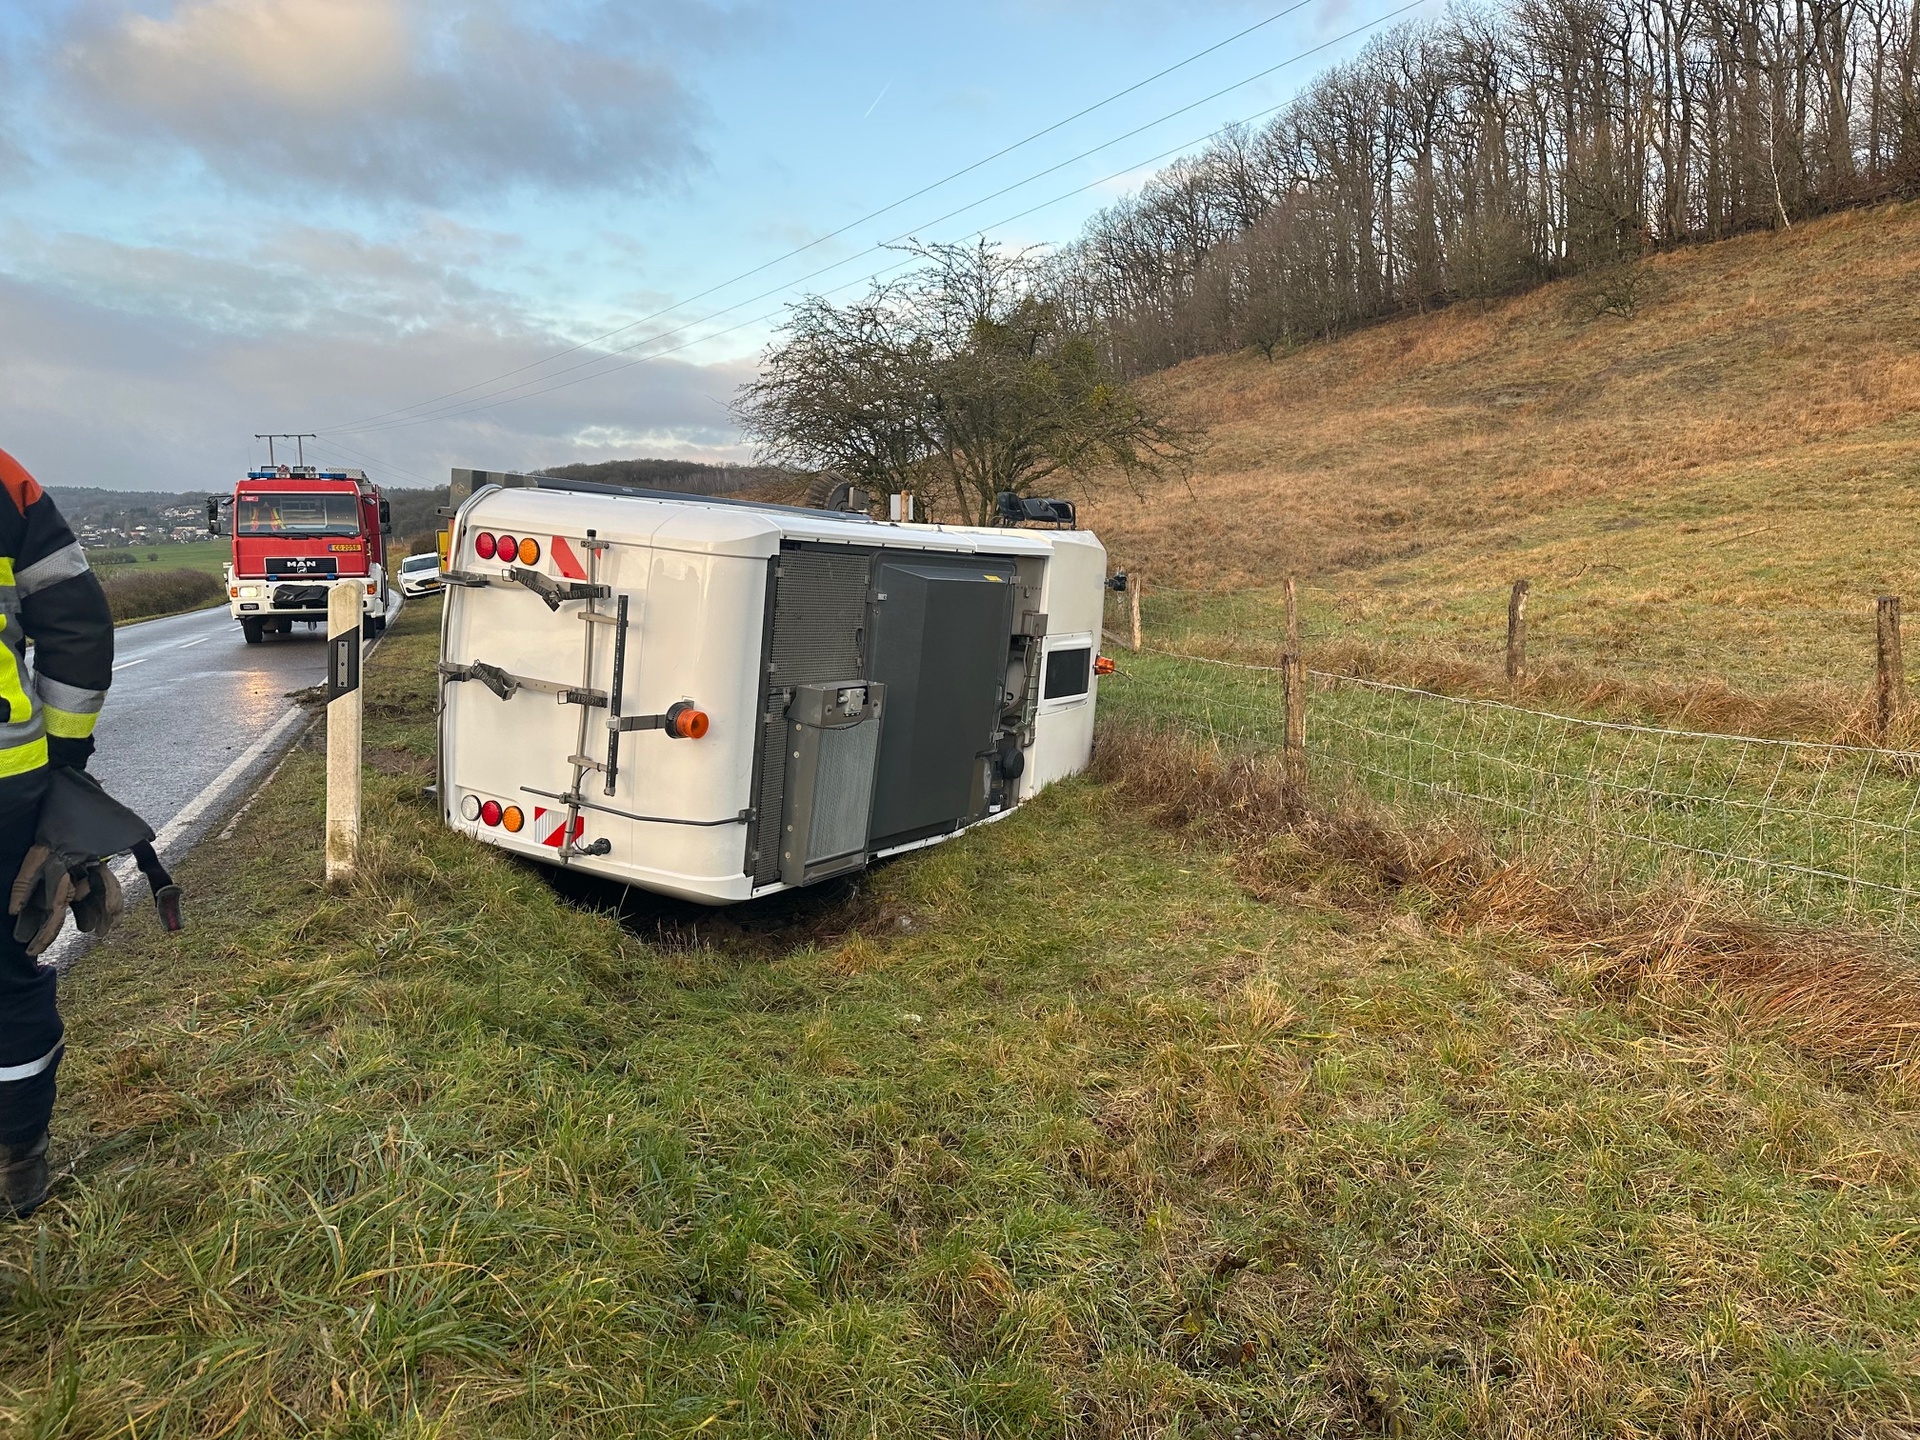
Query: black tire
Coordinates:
[253,630]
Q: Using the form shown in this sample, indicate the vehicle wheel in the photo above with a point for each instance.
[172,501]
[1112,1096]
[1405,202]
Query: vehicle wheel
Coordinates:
[380,625]
[253,630]
[369,627]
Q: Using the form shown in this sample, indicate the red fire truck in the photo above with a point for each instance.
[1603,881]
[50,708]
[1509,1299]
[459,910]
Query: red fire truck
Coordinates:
[296,530]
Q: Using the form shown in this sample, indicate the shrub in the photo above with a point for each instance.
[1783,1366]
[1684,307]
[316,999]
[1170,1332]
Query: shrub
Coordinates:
[158,592]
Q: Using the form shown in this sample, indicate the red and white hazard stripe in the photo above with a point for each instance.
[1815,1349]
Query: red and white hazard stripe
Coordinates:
[550,826]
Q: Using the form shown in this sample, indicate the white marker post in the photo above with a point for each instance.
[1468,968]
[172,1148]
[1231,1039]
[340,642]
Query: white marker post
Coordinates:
[343,730]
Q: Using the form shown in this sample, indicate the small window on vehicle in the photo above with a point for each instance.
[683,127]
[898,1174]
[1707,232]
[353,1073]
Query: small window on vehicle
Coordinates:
[1068,673]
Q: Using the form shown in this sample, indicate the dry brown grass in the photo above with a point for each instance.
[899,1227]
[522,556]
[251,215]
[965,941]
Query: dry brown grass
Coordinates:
[1379,444]
[1803,710]
[1673,483]
[1847,1000]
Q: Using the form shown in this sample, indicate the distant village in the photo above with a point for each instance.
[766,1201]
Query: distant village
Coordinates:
[177,526]
[105,520]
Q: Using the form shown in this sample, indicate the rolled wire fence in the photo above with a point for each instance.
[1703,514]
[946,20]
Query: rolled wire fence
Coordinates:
[1794,828]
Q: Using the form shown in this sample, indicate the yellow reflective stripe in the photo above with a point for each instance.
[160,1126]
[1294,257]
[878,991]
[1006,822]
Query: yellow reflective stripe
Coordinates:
[22,758]
[6,569]
[19,707]
[67,724]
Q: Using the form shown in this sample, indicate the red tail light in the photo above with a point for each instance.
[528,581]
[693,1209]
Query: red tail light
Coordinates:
[483,545]
[508,546]
[490,812]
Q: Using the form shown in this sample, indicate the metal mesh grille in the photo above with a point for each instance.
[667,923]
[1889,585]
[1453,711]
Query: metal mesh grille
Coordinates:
[819,609]
[843,791]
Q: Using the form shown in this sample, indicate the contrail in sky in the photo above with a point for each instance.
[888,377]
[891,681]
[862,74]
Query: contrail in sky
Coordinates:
[878,98]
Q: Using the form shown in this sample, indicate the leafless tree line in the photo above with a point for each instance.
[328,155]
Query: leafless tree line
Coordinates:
[1484,152]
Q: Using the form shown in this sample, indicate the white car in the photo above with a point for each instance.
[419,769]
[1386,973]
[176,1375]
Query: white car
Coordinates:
[420,575]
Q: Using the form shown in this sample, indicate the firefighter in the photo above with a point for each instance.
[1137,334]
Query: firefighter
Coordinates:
[50,596]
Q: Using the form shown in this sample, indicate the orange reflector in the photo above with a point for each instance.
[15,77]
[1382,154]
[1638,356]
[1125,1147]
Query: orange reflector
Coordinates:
[511,819]
[1103,666]
[529,552]
[690,724]
[373,589]
[234,591]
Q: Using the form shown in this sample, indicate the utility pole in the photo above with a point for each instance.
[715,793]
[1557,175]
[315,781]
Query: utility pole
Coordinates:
[299,438]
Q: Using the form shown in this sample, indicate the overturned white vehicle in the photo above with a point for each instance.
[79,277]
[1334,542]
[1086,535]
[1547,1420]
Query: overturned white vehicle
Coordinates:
[719,699]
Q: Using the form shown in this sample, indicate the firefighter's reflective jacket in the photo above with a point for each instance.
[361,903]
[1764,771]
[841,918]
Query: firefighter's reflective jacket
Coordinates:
[49,596]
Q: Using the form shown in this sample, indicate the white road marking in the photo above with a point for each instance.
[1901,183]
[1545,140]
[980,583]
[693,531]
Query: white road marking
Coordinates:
[191,643]
[216,791]
[127,664]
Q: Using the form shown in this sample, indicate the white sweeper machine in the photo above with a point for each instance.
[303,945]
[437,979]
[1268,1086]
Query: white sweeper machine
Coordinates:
[718,699]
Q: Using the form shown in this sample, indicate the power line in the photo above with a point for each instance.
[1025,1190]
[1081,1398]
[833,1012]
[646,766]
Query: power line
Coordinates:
[333,444]
[539,386]
[855,224]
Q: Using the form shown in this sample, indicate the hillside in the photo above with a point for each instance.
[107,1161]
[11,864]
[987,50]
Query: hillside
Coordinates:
[1721,480]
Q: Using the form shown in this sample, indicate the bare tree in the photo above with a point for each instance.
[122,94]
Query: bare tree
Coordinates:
[1494,149]
[966,378]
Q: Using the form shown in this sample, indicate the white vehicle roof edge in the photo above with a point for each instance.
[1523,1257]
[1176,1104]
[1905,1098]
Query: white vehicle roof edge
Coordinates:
[740,524]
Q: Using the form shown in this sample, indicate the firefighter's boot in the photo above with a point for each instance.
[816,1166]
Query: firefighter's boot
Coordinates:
[23,1178]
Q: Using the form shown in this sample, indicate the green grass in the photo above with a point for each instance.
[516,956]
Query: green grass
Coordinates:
[1055,1130]
[207,556]
[1800,830]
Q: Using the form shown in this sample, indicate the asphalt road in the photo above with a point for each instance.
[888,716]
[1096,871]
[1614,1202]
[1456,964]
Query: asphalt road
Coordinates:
[189,695]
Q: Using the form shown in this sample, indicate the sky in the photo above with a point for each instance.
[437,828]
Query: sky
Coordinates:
[408,224]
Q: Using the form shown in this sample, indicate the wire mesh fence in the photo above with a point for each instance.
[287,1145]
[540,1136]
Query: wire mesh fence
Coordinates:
[1758,650]
[1802,828]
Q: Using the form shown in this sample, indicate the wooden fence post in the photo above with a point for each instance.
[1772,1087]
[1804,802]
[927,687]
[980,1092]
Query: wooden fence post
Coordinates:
[1293,674]
[1890,685]
[1517,633]
[1135,584]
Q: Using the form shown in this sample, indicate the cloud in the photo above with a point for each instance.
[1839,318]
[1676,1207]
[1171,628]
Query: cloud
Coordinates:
[287,276]
[92,394]
[428,101]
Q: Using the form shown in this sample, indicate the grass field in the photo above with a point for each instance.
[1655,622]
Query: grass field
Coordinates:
[1085,1125]
[1719,485]
[1795,830]
[208,556]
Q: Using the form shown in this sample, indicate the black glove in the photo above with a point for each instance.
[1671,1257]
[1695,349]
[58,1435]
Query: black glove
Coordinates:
[48,886]
[70,751]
